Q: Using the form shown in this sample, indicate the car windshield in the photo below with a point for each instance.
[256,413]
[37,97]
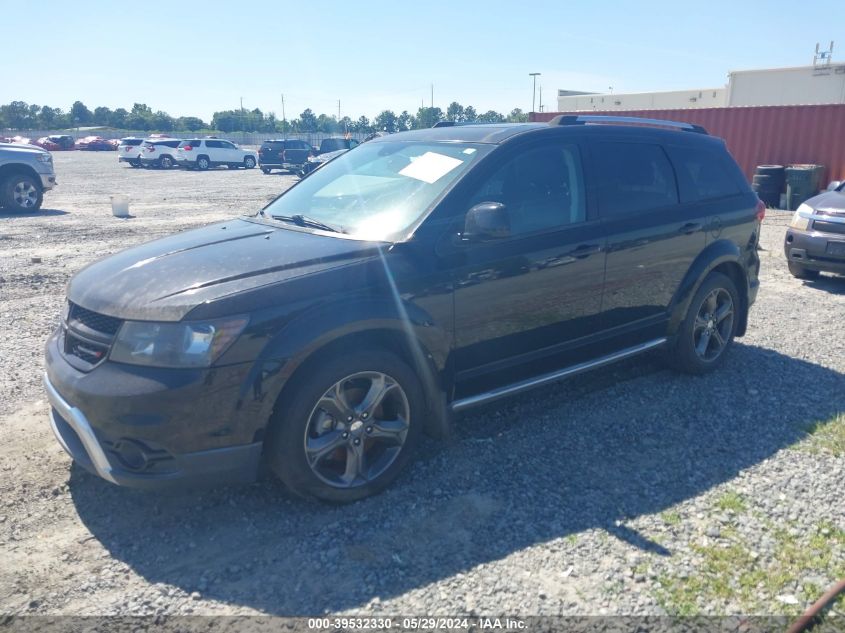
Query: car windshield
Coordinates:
[378,190]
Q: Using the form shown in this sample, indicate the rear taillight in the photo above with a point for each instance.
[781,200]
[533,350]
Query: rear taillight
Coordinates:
[187,148]
[761,210]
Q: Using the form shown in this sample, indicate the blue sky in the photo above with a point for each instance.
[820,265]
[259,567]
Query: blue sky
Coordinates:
[192,58]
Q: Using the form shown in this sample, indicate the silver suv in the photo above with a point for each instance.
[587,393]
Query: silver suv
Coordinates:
[26,172]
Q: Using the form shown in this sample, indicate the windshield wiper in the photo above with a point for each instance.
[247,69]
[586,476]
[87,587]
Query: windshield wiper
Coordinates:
[303,220]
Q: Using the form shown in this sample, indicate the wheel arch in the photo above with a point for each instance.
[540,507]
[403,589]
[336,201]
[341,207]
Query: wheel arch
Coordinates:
[722,256]
[12,169]
[385,334]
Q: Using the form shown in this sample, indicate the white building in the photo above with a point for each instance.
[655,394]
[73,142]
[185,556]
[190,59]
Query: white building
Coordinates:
[799,85]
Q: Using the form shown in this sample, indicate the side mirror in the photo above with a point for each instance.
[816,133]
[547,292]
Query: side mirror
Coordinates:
[487,221]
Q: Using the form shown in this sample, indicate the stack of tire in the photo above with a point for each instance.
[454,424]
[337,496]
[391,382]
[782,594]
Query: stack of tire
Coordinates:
[802,182]
[768,183]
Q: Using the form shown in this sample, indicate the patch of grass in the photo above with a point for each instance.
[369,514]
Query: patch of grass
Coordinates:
[671,517]
[827,436]
[729,571]
[731,501]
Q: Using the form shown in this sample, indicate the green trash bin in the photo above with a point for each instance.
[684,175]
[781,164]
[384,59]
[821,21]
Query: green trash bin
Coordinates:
[802,183]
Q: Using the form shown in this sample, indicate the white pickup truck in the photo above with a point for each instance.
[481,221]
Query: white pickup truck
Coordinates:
[26,172]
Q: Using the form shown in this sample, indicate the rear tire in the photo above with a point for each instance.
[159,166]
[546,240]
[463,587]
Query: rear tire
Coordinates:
[302,421]
[249,162]
[165,162]
[799,272]
[707,331]
[265,171]
[203,163]
[21,193]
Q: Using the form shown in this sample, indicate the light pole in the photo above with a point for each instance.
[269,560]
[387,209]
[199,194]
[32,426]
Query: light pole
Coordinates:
[534,92]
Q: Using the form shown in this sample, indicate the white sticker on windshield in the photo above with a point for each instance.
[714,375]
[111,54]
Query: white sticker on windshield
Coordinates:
[469,150]
[430,167]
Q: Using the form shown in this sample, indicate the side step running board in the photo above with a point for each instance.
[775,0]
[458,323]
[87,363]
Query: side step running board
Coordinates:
[545,379]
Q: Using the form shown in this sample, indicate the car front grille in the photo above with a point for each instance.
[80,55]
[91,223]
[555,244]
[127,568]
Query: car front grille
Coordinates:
[88,336]
[829,227]
[93,321]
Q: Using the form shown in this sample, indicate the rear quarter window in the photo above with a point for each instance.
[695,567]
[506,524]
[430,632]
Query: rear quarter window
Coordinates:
[633,177]
[703,174]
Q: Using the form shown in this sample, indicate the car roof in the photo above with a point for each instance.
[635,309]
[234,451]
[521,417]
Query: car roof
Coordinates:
[501,132]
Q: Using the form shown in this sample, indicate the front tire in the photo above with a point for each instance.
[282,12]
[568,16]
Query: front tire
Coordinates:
[265,171]
[203,163]
[165,162]
[799,272]
[709,327]
[21,193]
[348,426]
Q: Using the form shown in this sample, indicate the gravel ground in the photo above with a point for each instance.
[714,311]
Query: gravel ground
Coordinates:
[631,490]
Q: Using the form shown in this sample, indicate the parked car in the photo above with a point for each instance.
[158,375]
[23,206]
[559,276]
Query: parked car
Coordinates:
[64,141]
[212,152]
[21,140]
[285,154]
[26,172]
[95,144]
[815,238]
[159,152]
[319,160]
[324,334]
[45,143]
[334,144]
[129,151]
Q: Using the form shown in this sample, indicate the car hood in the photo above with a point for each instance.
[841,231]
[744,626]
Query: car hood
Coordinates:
[828,201]
[22,149]
[163,280]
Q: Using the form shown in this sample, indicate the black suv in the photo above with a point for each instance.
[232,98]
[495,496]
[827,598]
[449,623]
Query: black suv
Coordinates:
[288,155]
[421,274]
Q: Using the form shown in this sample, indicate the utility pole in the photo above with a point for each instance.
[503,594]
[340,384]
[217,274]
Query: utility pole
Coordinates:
[242,115]
[534,93]
[284,119]
[541,97]
[338,110]
[432,96]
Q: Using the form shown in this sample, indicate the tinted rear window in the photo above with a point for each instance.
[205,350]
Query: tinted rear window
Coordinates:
[131,141]
[633,177]
[168,143]
[332,145]
[702,173]
[272,145]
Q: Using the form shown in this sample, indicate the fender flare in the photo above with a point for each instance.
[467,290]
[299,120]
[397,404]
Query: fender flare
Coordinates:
[714,255]
[318,329]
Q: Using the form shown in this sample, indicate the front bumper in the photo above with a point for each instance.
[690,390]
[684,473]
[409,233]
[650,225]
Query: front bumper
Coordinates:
[150,428]
[811,250]
[48,181]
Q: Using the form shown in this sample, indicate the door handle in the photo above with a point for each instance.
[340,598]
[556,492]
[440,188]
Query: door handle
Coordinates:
[585,250]
[691,227]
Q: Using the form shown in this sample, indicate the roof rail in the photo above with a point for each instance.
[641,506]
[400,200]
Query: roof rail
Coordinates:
[444,124]
[583,119]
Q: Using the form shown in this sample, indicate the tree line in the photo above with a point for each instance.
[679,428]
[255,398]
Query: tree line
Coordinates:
[19,115]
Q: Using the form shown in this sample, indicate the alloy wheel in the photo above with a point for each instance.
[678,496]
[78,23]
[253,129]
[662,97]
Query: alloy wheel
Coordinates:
[357,429]
[713,325]
[25,194]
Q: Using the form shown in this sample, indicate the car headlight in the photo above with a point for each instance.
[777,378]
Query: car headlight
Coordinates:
[196,344]
[801,219]
[44,157]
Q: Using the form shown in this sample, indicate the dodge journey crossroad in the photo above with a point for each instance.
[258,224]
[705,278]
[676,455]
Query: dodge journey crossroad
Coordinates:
[413,277]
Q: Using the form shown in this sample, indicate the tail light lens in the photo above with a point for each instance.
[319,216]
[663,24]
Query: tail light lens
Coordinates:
[187,148]
[761,210]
